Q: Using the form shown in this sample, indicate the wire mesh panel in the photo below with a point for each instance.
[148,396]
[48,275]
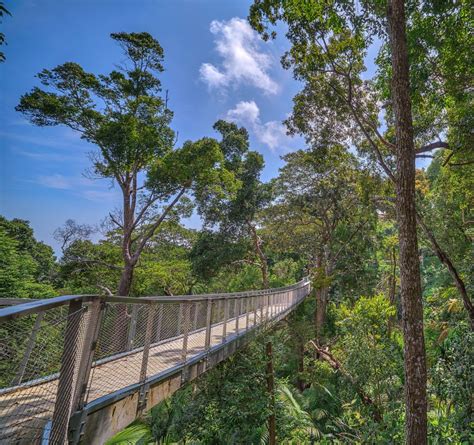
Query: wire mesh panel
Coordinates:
[32,349]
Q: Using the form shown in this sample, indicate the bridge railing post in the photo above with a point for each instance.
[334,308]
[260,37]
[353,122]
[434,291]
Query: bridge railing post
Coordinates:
[152,308]
[196,314]
[226,316]
[237,314]
[69,358]
[207,342]
[187,316]
[247,312]
[95,309]
[255,307]
[133,327]
[180,319]
[147,341]
[91,334]
[159,323]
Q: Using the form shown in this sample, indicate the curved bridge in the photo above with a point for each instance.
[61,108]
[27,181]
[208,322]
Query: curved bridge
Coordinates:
[81,368]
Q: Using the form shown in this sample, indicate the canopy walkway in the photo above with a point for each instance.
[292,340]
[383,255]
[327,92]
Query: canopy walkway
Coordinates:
[81,368]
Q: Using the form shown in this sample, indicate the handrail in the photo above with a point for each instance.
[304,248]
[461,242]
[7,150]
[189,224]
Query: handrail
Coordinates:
[20,310]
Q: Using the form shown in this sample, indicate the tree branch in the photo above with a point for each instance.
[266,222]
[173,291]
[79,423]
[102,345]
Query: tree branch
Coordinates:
[326,355]
[155,225]
[432,146]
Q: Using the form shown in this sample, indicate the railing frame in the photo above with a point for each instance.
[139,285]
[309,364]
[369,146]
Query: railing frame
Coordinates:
[71,406]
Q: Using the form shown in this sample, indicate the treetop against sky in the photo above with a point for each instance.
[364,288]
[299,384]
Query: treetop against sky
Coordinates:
[216,67]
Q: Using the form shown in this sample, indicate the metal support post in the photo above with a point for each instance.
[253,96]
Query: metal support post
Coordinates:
[91,334]
[187,316]
[226,316]
[159,323]
[247,310]
[237,314]
[180,319]
[65,392]
[207,343]
[133,327]
[196,313]
[255,304]
[145,354]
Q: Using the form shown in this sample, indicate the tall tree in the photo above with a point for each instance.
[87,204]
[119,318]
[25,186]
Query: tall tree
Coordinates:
[319,212]
[410,280]
[329,40]
[235,216]
[125,116]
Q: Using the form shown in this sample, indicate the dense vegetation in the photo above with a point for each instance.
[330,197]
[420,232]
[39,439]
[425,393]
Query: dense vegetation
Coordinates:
[388,247]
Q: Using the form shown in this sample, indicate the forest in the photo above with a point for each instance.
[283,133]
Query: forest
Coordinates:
[382,351]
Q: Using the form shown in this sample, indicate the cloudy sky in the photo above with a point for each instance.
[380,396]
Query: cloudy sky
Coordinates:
[216,67]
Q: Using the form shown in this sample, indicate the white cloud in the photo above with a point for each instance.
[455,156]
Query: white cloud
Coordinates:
[49,156]
[80,187]
[238,45]
[245,112]
[55,181]
[271,133]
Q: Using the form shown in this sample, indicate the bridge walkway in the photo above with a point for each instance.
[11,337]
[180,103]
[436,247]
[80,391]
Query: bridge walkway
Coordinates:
[82,368]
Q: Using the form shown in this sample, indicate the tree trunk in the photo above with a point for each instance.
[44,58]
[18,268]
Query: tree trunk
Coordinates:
[257,242]
[122,321]
[271,392]
[392,290]
[444,258]
[410,282]
[320,314]
[125,283]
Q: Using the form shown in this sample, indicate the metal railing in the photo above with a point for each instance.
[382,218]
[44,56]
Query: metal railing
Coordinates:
[60,355]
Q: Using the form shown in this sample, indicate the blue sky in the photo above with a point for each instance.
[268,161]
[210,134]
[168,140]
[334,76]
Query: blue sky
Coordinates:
[216,67]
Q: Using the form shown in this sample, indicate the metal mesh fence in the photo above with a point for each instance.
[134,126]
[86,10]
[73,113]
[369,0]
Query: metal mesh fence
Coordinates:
[54,360]
[33,352]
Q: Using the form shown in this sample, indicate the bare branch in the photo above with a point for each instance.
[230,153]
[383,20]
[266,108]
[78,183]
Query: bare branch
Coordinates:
[157,223]
[432,146]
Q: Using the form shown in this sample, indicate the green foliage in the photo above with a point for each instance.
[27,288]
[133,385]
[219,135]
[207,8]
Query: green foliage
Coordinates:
[136,434]
[214,250]
[452,387]
[372,348]
[227,405]
[27,266]
[3,11]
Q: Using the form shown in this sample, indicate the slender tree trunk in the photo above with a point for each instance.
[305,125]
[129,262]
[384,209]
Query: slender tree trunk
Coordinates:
[322,293]
[392,291]
[325,354]
[410,282]
[320,314]
[271,392]
[444,258]
[393,279]
[257,242]
[125,283]
[122,321]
